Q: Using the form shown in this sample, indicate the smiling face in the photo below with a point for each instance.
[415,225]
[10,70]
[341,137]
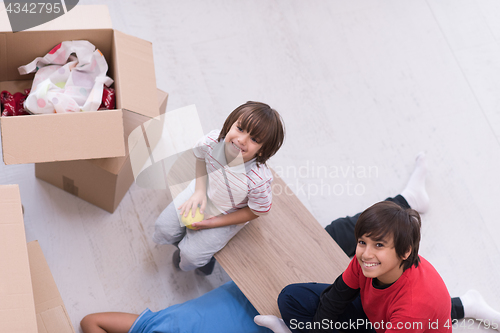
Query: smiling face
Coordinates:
[378,259]
[239,143]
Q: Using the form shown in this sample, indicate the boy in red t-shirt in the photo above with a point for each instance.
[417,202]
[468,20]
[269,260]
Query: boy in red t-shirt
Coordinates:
[301,303]
[386,287]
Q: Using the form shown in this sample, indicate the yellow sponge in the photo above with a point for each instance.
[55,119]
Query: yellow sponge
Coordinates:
[188,220]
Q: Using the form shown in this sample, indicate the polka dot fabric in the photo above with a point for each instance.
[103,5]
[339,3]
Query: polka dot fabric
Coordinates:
[70,78]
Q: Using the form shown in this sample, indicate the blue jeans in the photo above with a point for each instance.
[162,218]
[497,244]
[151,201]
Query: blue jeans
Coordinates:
[298,303]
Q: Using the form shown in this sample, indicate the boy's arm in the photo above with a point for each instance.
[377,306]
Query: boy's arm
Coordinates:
[201,176]
[199,196]
[240,216]
[108,322]
[333,301]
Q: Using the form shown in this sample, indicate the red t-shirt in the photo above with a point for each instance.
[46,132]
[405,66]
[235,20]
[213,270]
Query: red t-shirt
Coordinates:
[417,302]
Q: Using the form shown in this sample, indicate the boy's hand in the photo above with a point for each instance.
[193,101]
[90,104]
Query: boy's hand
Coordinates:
[205,224]
[198,198]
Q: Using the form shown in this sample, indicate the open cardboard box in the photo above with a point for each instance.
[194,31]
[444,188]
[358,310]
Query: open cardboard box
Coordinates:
[83,135]
[102,182]
[29,299]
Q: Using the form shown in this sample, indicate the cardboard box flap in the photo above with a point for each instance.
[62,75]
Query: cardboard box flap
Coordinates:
[3,55]
[17,309]
[76,19]
[45,292]
[51,314]
[34,139]
[54,320]
[136,84]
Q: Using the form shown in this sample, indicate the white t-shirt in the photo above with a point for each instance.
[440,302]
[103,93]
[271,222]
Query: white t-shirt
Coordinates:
[233,188]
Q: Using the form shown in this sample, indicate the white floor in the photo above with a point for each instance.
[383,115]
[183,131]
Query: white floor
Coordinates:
[363,86]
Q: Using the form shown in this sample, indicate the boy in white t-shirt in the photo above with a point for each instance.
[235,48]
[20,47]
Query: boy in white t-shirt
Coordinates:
[232,186]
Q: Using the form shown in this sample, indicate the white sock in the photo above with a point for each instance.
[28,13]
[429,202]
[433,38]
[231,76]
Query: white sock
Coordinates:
[274,323]
[476,307]
[414,192]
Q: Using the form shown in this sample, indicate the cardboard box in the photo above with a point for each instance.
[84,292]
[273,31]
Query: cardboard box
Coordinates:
[29,299]
[17,308]
[102,182]
[84,135]
[51,314]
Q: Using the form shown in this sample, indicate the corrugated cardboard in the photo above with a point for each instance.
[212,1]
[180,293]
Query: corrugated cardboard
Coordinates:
[102,182]
[29,299]
[17,308]
[130,62]
[51,315]
[59,133]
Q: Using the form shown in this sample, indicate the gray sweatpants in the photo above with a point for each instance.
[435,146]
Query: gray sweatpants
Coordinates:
[196,246]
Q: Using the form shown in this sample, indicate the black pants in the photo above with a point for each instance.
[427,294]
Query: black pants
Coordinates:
[298,303]
[342,231]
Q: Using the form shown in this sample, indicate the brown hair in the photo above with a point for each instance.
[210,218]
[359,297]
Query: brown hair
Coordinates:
[263,123]
[388,218]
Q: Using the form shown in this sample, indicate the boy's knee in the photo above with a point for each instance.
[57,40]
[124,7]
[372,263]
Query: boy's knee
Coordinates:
[286,299]
[191,259]
[165,234]
[162,238]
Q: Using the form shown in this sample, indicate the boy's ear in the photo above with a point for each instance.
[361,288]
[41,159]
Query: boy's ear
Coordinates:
[407,254]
